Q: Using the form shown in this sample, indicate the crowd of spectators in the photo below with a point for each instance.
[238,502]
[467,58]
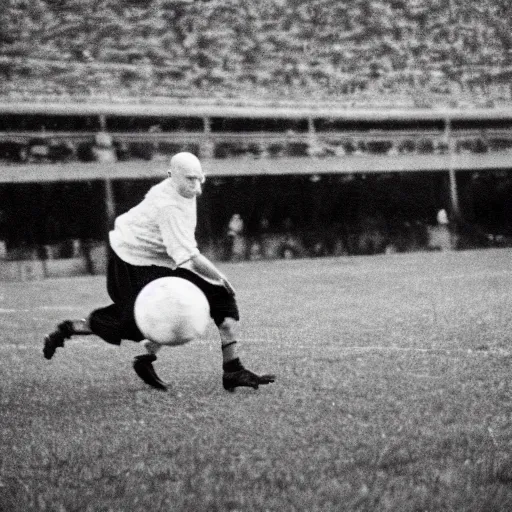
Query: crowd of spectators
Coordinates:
[361,52]
[272,217]
[352,53]
[106,148]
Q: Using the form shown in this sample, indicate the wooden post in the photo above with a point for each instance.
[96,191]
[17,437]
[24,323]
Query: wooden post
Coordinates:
[454,196]
[103,123]
[207,145]
[313,148]
[110,206]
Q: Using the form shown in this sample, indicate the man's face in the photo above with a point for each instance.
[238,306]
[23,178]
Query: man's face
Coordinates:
[188,184]
[187,175]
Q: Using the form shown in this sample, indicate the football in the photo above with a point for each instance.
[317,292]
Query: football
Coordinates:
[171,311]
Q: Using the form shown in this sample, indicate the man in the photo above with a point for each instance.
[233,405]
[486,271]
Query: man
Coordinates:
[155,239]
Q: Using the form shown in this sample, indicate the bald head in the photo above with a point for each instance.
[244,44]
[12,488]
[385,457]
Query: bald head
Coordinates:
[186,173]
[184,162]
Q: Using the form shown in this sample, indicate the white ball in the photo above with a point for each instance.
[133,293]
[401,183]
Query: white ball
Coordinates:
[171,311]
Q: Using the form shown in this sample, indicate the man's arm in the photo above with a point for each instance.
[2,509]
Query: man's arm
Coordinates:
[182,248]
[203,267]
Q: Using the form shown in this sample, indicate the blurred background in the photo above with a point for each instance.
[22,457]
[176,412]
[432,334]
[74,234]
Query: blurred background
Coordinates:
[326,127]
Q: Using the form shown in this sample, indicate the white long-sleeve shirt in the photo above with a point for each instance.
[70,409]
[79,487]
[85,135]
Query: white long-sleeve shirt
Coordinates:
[160,230]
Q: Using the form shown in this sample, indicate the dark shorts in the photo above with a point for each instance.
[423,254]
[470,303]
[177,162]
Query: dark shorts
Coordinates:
[116,322]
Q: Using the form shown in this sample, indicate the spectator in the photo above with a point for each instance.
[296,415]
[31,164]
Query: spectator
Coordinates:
[3,235]
[103,149]
[236,239]
[38,150]
[440,236]
[291,246]
[61,151]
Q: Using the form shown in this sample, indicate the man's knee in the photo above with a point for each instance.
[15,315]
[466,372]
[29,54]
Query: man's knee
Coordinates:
[114,324]
[105,323]
[228,324]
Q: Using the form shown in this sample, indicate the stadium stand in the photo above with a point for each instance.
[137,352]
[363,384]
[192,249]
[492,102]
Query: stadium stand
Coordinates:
[349,54]
[359,52]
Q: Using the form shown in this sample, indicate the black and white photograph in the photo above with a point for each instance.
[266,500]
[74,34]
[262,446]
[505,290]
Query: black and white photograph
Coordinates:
[255,256]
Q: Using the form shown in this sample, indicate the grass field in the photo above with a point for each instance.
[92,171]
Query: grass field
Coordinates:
[393,392]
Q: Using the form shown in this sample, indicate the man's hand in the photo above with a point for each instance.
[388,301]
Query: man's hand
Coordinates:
[203,267]
[228,287]
[231,380]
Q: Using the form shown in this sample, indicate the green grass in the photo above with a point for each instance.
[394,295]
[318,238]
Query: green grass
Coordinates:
[393,393]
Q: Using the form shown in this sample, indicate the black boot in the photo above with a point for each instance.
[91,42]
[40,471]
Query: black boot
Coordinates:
[236,375]
[143,366]
[56,338]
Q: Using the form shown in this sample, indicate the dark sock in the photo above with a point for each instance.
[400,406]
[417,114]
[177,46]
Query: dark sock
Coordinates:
[233,366]
[79,327]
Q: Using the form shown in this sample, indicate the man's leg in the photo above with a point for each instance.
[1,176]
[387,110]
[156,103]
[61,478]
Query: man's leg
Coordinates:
[64,331]
[143,365]
[235,374]
[224,312]
[228,334]
[107,323]
[104,322]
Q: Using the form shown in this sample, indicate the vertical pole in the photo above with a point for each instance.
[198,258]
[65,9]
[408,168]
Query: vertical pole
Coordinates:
[312,139]
[207,145]
[454,196]
[110,207]
[103,123]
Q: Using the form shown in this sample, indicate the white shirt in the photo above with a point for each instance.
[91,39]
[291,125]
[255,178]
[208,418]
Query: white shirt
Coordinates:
[160,230]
